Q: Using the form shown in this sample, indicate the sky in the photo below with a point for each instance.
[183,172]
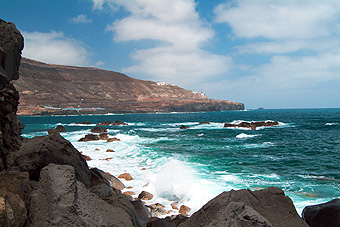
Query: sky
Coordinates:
[263,53]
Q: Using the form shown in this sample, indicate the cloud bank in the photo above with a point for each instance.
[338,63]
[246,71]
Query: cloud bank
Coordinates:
[300,38]
[54,47]
[179,36]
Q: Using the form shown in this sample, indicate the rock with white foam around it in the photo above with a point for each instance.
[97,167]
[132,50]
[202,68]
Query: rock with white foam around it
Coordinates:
[267,207]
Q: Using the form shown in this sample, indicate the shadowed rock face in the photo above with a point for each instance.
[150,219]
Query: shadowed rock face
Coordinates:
[268,207]
[82,87]
[11,44]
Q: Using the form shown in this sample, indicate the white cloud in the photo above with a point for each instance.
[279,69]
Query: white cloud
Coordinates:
[81,19]
[100,63]
[282,19]
[54,47]
[179,34]
[301,41]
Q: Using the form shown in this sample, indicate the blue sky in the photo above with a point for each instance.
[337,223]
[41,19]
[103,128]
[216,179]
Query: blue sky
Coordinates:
[271,54]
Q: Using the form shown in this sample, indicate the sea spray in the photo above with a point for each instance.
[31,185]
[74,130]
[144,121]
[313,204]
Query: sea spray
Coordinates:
[300,155]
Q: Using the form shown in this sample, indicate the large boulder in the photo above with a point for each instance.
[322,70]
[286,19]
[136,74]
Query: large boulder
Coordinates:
[267,206]
[38,152]
[11,45]
[322,215]
[59,199]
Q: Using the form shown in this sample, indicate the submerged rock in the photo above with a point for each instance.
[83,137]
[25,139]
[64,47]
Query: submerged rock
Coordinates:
[89,137]
[98,130]
[251,125]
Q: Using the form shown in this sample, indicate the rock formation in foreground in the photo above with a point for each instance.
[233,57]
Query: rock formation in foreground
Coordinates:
[11,45]
[81,90]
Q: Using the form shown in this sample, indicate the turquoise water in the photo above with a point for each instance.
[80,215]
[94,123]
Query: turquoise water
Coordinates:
[301,155]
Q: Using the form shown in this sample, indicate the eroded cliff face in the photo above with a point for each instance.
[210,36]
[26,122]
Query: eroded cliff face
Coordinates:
[60,86]
[11,45]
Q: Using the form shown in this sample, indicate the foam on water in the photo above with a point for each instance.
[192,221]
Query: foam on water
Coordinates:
[245,136]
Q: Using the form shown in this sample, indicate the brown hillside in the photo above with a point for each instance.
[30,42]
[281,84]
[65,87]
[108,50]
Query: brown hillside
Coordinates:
[91,90]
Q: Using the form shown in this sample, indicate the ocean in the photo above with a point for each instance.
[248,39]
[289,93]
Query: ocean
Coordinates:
[191,166]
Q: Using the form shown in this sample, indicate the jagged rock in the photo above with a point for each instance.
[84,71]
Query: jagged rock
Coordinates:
[89,137]
[176,219]
[60,128]
[138,218]
[125,176]
[11,44]
[237,214]
[252,125]
[184,210]
[141,210]
[112,139]
[119,123]
[322,215]
[86,157]
[160,223]
[59,199]
[271,203]
[145,195]
[103,136]
[105,123]
[38,152]
[184,127]
[157,209]
[98,130]
[114,181]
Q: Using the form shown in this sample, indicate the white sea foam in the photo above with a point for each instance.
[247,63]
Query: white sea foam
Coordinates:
[331,124]
[244,136]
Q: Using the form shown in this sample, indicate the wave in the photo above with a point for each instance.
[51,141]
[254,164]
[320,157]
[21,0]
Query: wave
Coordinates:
[244,136]
[331,124]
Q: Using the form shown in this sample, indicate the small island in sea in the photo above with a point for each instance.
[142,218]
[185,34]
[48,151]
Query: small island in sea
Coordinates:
[222,168]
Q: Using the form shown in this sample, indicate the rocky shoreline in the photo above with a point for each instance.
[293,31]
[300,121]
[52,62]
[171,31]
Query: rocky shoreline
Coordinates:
[45,181]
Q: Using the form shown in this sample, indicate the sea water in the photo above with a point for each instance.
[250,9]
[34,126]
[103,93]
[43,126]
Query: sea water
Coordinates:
[191,166]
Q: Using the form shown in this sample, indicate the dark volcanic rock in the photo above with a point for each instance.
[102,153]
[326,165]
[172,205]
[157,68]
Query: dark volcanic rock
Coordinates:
[184,127]
[145,195]
[59,199]
[83,123]
[252,125]
[322,215]
[98,130]
[89,137]
[11,44]
[119,123]
[271,203]
[60,128]
[38,152]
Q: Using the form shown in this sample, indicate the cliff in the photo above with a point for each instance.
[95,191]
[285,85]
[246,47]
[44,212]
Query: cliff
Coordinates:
[73,90]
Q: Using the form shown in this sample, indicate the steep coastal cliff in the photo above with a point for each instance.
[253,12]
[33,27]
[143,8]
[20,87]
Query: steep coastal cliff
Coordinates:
[73,90]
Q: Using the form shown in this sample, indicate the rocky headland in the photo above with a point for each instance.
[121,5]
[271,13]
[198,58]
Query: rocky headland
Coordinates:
[45,181]
[57,89]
